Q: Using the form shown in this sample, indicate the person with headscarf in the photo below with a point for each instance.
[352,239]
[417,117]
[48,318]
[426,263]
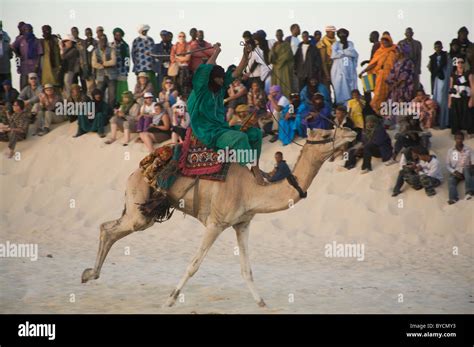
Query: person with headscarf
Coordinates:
[6,54]
[29,49]
[162,62]
[8,94]
[344,67]
[312,87]
[125,118]
[78,98]
[325,50]
[381,64]
[307,61]
[85,48]
[142,47]
[281,58]
[207,111]
[376,143]
[401,79]
[316,116]
[15,127]
[277,106]
[96,121]
[440,69]
[122,53]
[178,56]
[51,62]
[413,53]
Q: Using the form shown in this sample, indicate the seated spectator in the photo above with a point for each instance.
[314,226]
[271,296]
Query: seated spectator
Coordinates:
[16,127]
[460,164]
[180,121]
[96,121]
[125,118]
[409,136]
[408,162]
[342,120]
[30,94]
[355,107]
[376,143]
[312,87]
[429,170]
[237,95]
[316,116]
[145,116]
[281,170]
[8,94]
[256,98]
[168,94]
[428,109]
[77,96]
[47,114]
[277,106]
[159,130]
[143,86]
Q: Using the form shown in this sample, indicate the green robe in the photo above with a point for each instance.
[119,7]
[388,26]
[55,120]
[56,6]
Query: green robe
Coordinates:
[208,116]
[281,56]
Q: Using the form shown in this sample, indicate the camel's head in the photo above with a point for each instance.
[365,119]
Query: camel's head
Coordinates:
[325,142]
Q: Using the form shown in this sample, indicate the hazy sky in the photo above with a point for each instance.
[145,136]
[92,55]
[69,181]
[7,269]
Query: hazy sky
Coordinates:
[225,21]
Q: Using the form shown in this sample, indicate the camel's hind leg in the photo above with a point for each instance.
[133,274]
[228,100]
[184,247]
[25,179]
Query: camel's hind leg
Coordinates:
[211,234]
[132,220]
[242,232]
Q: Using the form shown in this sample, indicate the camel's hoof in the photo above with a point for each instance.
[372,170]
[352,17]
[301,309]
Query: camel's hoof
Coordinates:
[262,303]
[88,274]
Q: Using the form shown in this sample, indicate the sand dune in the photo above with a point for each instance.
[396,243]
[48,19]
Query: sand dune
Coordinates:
[408,250]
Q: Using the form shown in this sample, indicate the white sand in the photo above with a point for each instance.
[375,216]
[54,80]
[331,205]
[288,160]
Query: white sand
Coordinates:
[408,250]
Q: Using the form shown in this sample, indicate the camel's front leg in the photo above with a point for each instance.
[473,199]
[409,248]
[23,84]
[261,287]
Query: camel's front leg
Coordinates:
[211,234]
[242,231]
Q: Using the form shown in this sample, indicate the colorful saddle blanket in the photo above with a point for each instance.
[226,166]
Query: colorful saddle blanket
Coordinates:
[198,160]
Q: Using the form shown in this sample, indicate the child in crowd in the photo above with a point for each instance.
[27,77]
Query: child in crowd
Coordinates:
[355,107]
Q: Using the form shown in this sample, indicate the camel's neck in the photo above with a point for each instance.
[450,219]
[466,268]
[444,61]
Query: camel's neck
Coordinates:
[281,195]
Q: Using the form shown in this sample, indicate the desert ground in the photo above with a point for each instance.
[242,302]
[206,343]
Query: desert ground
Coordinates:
[421,252]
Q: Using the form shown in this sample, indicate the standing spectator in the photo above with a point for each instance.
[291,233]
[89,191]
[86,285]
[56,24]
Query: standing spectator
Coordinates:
[281,57]
[381,64]
[69,62]
[99,32]
[47,114]
[374,39]
[193,33]
[183,79]
[307,61]
[325,49]
[142,47]
[104,61]
[51,63]
[344,67]
[122,52]
[293,39]
[466,47]
[200,57]
[16,128]
[401,79]
[5,55]
[461,99]
[125,118]
[460,164]
[316,37]
[86,47]
[414,54]
[162,62]
[28,48]
[440,69]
